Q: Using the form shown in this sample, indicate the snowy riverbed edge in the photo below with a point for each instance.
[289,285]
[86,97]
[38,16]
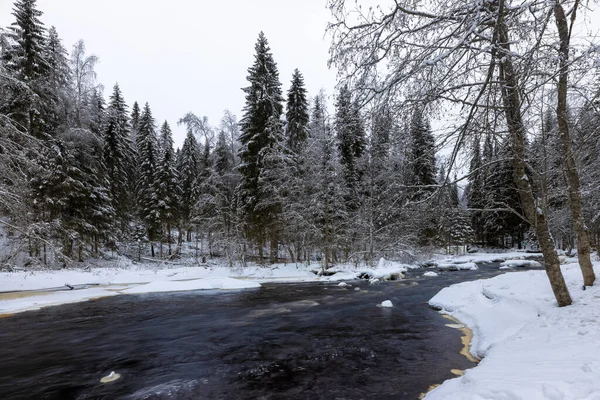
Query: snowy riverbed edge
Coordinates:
[32,290]
[123,276]
[530,348]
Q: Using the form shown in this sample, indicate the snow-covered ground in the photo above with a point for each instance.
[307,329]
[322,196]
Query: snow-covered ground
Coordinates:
[530,348]
[121,276]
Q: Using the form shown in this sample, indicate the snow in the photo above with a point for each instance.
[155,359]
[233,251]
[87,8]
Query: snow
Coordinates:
[38,300]
[530,348]
[467,266]
[196,284]
[520,263]
[387,304]
[122,276]
[485,257]
[430,273]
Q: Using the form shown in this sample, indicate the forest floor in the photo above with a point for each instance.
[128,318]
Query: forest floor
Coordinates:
[529,347]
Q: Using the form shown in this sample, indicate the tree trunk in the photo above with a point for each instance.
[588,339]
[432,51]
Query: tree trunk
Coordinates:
[535,215]
[568,160]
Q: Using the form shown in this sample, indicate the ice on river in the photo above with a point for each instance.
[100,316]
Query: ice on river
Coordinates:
[196,284]
[521,263]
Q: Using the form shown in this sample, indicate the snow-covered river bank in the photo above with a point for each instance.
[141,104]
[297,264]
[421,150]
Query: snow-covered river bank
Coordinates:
[530,349]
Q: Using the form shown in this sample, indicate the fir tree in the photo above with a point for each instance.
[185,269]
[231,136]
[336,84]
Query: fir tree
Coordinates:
[261,131]
[423,153]
[69,192]
[25,54]
[148,153]
[56,89]
[117,156]
[24,57]
[351,142]
[188,167]
[97,113]
[166,184]
[297,113]
[475,191]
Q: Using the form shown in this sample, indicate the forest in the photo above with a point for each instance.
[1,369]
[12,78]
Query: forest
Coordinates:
[457,148]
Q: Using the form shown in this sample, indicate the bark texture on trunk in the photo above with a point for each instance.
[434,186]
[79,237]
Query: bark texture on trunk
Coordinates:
[568,160]
[535,215]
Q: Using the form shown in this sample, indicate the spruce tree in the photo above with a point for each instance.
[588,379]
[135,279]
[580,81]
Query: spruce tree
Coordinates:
[25,54]
[55,88]
[24,57]
[475,191]
[166,184]
[97,113]
[351,142]
[188,167]
[261,131]
[117,156]
[69,193]
[297,113]
[423,153]
[148,154]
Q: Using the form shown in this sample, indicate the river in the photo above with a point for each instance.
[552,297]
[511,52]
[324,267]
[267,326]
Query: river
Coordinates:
[282,341]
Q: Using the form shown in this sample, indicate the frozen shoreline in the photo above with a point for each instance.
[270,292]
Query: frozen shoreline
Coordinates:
[123,276]
[30,290]
[530,348]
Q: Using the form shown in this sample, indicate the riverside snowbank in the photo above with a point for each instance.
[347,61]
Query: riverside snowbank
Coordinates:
[122,276]
[530,348]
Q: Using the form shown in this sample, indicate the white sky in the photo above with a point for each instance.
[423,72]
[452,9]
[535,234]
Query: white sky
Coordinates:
[186,55]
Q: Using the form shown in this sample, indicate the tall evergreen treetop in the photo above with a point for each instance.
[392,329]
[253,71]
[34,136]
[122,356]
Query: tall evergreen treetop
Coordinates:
[350,134]
[25,55]
[423,151]
[166,185]
[118,159]
[188,166]
[297,113]
[261,130]
[135,115]
[148,156]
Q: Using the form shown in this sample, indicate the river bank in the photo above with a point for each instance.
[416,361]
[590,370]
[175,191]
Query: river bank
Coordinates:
[530,348]
[102,278]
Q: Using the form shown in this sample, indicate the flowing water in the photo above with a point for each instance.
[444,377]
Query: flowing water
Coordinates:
[282,341]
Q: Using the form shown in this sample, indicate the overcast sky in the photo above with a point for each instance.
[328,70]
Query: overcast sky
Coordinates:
[186,55]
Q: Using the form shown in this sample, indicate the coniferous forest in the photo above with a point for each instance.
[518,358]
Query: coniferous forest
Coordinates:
[300,177]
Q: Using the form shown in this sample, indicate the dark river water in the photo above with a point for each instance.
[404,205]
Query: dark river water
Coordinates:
[282,341]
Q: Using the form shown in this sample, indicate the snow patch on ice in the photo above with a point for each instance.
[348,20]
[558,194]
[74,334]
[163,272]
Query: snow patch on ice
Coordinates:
[520,263]
[387,304]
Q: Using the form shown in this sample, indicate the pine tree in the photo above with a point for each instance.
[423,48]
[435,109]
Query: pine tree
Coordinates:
[261,131]
[297,113]
[148,153]
[166,194]
[117,156]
